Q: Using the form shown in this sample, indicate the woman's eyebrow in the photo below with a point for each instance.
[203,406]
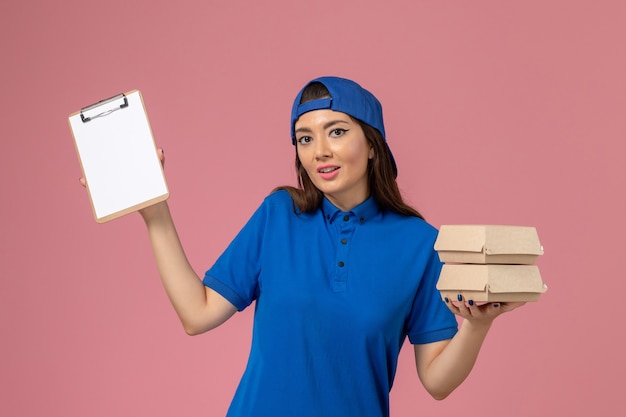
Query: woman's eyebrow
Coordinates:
[302,129]
[334,122]
[326,126]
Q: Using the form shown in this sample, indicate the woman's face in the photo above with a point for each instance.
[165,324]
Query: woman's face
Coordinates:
[334,152]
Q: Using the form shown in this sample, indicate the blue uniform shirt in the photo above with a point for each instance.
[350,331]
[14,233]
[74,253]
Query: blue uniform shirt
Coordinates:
[336,295]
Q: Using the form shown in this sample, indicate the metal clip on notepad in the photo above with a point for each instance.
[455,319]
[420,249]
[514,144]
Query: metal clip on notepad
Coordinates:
[105,107]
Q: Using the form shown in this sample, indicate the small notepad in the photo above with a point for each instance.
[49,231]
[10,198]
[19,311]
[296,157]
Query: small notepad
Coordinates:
[118,156]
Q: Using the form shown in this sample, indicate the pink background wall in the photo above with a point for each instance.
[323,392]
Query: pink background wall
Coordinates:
[497,112]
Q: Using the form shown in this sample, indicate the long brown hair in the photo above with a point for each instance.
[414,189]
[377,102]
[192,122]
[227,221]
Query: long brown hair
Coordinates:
[380,170]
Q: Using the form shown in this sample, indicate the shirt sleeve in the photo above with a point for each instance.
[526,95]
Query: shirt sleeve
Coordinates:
[235,274]
[430,319]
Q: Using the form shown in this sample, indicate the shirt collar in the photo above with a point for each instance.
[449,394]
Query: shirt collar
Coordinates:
[364,211]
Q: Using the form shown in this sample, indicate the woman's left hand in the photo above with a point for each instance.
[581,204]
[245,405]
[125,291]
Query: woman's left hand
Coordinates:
[480,312]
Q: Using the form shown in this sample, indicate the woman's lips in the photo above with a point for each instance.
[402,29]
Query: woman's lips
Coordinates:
[328,172]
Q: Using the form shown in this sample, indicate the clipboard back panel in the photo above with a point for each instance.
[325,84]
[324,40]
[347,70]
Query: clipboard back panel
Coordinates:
[118,157]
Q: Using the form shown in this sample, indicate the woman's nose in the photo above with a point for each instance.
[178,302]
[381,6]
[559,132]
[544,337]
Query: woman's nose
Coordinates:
[322,149]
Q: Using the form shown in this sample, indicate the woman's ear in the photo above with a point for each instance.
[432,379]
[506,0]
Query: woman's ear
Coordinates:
[371,154]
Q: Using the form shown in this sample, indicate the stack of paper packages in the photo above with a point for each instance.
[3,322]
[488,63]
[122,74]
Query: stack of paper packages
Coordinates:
[487,263]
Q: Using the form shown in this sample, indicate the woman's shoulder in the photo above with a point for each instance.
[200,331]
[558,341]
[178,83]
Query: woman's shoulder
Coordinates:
[279,201]
[278,198]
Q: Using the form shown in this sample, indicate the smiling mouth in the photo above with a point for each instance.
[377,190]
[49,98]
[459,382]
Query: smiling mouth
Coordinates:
[326,170]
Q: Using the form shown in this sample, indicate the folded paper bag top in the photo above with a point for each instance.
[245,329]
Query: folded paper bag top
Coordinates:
[488,244]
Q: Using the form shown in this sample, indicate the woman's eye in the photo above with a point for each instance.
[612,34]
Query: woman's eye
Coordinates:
[304,140]
[338,132]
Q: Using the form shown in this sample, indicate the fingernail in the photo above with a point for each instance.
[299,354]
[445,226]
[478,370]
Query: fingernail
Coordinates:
[459,297]
[470,302]
[446,300]
[496,305]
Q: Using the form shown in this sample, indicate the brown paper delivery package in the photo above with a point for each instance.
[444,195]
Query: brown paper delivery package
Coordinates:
[489,263]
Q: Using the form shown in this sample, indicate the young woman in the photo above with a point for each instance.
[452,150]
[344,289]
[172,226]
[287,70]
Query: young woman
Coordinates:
[341,271]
